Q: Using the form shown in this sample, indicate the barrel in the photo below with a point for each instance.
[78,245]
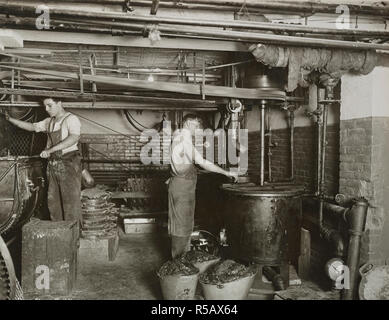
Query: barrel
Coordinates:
[257,221]
[21,189]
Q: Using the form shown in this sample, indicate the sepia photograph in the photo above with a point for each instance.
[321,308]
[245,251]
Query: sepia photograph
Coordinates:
[219,153]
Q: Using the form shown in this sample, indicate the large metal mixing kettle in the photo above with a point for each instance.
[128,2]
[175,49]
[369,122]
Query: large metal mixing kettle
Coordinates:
[257,220]
[21,189]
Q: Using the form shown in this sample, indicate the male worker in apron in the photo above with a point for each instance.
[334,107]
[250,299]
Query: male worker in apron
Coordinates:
[182,184]
[64,160]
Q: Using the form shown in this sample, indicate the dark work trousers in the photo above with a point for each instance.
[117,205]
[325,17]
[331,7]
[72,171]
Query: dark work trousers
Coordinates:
[180,245]
[182,201]
[64,175]
[64,192]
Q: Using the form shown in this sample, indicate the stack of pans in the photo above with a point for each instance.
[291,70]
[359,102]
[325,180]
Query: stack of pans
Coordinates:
[99,217]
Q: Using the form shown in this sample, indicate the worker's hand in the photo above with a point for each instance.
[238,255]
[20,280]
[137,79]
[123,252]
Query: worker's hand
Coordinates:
[233,175]
[45,154]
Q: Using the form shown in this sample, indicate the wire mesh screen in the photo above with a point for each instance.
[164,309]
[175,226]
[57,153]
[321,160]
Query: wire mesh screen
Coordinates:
[20,142]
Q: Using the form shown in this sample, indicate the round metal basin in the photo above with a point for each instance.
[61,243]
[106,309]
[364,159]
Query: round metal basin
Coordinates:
[257,221]
[20,181]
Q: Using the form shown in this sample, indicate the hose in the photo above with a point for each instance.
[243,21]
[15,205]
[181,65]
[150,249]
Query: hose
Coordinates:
[131,121]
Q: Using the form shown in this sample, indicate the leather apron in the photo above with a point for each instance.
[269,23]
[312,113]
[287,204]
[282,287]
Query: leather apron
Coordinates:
[182,201]
[64,179]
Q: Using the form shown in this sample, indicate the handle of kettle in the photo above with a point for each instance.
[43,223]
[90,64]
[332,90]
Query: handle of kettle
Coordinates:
[366,269]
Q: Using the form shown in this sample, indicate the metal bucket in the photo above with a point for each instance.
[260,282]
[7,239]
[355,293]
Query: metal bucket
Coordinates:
[257,220]
[21,181]
[375,282]
[179,287]
[234,290]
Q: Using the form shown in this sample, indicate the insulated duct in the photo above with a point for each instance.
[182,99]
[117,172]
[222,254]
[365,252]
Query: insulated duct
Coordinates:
[302,62]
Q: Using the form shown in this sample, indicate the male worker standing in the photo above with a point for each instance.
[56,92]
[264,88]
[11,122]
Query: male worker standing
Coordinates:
[64,165]
[182,184]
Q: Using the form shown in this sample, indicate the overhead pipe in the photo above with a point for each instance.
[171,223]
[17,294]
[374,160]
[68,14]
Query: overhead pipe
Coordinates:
[189,30]
[204,23]
[244,36]
[306,7]
[291,6]
[55,25]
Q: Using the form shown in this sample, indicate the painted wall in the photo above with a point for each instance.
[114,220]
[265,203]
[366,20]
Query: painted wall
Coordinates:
[375,95]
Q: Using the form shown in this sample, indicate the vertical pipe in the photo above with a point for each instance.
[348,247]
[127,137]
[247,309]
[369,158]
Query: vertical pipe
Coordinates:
[323,149]
[194,68]
[203,82]
[319,115]
[13,81]
[291,116]
[262,173]
[323,143]
[269,143]
[81,71]
[357,220]
[18,97]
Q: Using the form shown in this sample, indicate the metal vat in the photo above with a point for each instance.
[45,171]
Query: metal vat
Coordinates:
[257,219]
[21,189]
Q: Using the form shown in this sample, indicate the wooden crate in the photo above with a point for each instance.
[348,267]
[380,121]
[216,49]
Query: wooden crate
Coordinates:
[49,257]
[99,249]
[140,225]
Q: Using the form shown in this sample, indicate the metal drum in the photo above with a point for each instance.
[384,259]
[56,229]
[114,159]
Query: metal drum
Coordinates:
[21,189]
[257,219]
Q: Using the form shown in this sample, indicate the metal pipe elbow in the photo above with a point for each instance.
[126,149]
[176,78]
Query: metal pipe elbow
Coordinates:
[334,237]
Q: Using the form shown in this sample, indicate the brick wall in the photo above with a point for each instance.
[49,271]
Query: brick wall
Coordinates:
[305,162]
[305,151]
[118,147]
[364,156]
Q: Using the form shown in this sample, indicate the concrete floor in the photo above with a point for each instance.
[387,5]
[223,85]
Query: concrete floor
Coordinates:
[132,275]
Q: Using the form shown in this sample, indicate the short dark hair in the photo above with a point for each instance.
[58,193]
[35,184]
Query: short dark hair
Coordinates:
[193,117]
[56,100]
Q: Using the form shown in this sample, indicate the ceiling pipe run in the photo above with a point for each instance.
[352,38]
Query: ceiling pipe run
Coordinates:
[189,30]
[290,7]
[124,17]
[239,35]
